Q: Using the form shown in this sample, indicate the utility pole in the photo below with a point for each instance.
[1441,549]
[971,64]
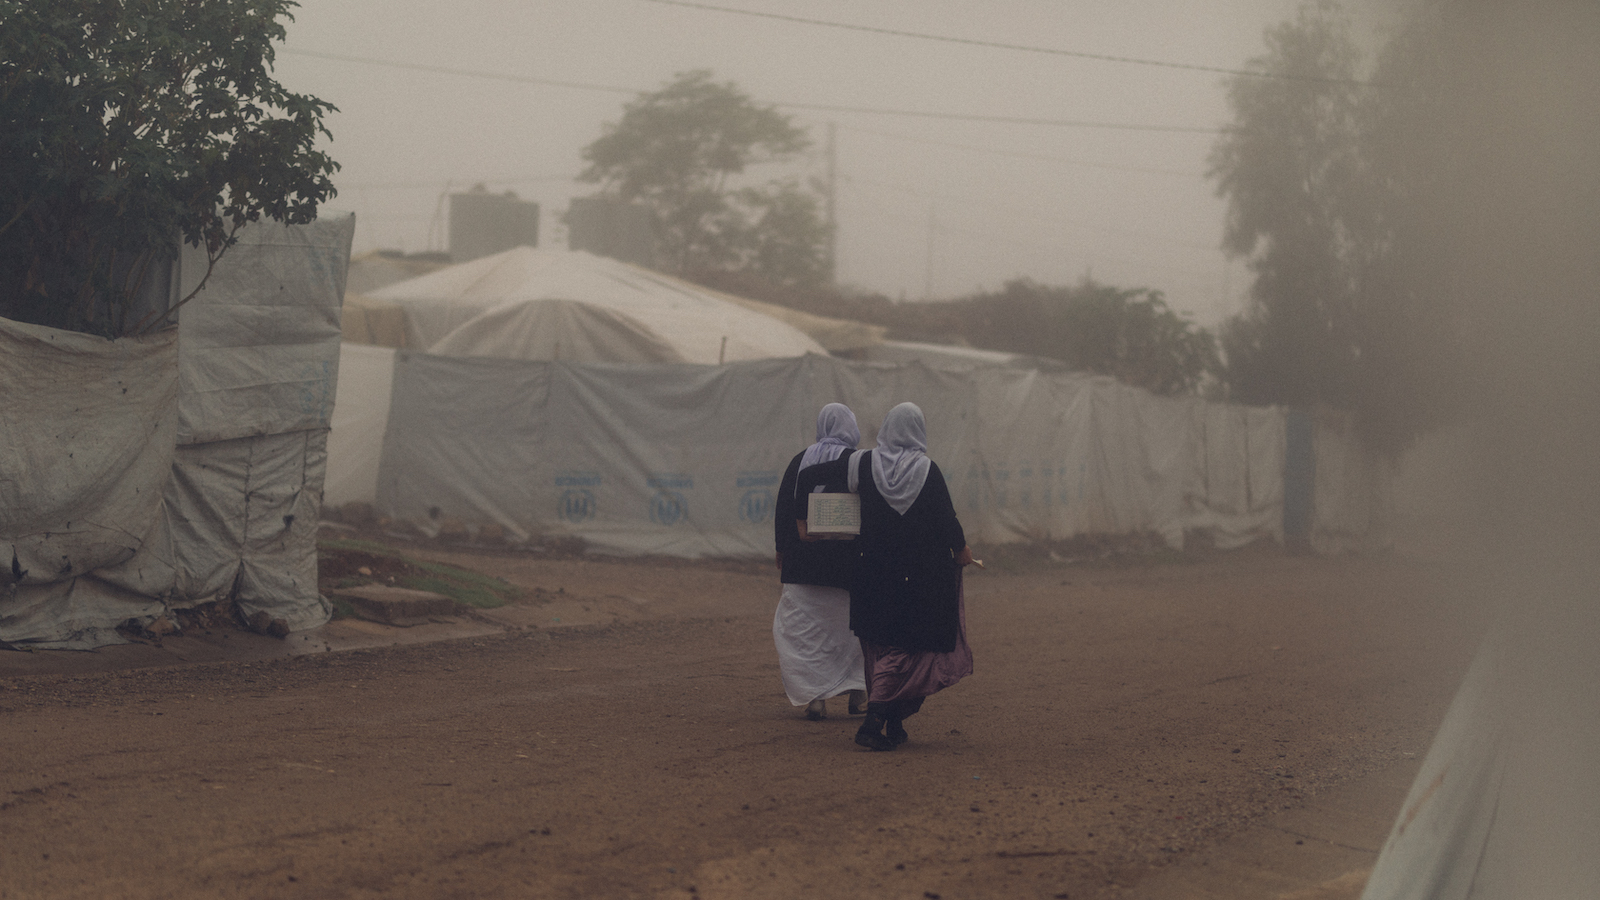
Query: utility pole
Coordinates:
[833,221]
[438,225]
[933,229]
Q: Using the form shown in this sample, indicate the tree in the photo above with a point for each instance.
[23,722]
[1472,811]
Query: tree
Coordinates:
[1290,170]
[1129,334]
[1410,333]
[129,125]
[679,150]
[787,240]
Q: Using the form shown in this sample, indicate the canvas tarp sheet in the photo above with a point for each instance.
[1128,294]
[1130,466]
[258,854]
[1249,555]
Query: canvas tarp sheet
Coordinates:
[1353,489]
[87,434]
[234,523]
[225,461]
[695,325]
[260,343]
[557,329]
[360,418]
[259,368]
[1506,805]
[365,321]
[683,460]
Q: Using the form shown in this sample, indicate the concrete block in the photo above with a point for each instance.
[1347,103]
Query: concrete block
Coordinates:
[396,606]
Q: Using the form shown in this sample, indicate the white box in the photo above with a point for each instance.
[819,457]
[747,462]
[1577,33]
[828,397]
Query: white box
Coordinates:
[833,515]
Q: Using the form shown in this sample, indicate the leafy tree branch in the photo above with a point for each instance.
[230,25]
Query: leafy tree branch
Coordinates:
[681,151]
[127,126]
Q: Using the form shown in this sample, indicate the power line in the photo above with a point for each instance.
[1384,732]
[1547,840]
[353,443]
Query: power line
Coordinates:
[999,45]
[1006,120]
[467,73]
[987,200]
[1020,154]
[408,185]
[815,107]
[994,238]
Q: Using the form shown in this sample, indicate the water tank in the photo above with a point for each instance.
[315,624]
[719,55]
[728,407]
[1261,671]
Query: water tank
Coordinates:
[606,226]
[482,223]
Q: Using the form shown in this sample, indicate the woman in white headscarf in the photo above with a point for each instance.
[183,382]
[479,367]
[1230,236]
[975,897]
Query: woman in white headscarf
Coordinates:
[817,655]
[905,593]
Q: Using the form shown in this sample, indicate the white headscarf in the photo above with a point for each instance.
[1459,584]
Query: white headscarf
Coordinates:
[900,462]
[836,433]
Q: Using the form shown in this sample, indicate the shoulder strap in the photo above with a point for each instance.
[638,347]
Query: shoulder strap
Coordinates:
[853,483]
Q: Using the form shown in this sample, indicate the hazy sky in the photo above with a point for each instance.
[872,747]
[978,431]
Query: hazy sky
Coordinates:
[924,204]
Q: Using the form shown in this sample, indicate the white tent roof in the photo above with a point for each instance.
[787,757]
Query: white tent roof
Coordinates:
[534,304]
[941,356]
[570,330]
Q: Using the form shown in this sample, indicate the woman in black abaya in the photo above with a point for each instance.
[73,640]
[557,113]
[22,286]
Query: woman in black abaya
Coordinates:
[905,595]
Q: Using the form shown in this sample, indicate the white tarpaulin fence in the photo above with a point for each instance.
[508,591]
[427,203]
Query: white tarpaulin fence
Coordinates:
[139,475]
[683,460]
[87,433]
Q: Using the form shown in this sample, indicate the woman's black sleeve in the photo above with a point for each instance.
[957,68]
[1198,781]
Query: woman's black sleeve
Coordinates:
[783,509]
[937,493]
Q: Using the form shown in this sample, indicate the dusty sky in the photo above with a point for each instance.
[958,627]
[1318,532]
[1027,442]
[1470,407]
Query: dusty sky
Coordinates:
[926,206]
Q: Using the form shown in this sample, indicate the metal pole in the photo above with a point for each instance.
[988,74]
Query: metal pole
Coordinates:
[833,222]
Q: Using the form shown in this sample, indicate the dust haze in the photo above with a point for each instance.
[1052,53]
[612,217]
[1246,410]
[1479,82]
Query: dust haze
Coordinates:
[1517,215]
[927,206]
[1516,211]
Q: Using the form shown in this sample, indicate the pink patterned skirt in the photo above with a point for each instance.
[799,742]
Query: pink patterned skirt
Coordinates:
[895,674]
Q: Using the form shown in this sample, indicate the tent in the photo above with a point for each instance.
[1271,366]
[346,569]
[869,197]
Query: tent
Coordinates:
[552,305]
[552,328]
[839,336]
[372,322]
[360,419]
[147,474]
[569,305]
[560,393]
[682,460]
[381,268]
[949,356]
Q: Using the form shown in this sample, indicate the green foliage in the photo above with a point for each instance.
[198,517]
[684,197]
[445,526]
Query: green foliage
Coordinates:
[127,125]
[786,240]
[455,589]
[680,149]
[461,585]
[1129,334]
[1340,195]
[1411,334]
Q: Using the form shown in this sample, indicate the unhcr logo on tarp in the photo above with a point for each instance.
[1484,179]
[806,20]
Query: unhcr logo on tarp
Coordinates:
[755,506]
[576,503]
[668,507]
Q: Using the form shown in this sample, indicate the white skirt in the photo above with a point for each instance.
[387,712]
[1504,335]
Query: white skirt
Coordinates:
[817,653]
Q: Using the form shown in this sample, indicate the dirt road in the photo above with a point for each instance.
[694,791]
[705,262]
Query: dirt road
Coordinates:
[1125,725]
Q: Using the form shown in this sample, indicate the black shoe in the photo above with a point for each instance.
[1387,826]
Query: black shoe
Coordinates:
[871,736]
[858,703]
[895,733]
[817,710]
[873,740]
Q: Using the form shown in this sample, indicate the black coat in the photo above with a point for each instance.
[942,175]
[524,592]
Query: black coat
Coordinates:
[826,563]
[906,587]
